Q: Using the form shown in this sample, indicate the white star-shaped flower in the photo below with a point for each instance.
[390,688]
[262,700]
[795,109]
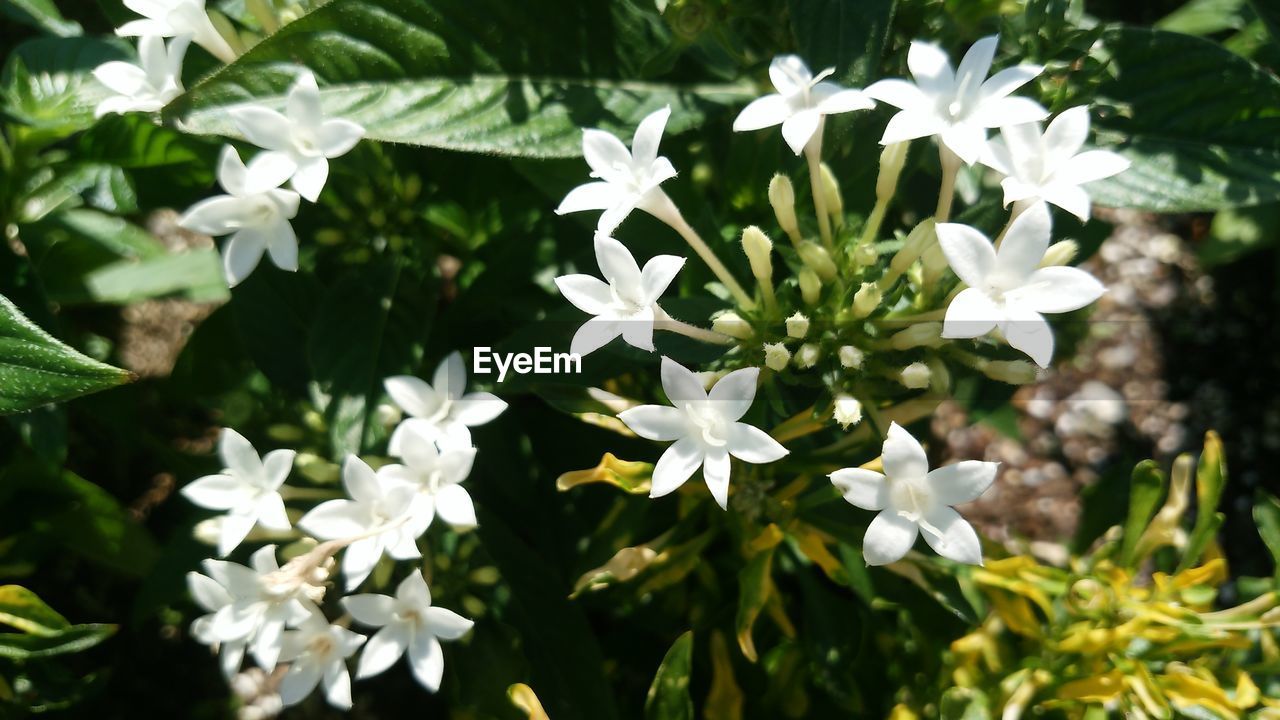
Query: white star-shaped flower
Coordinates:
[380,513]
[248,489]
[705,429]
[801,102]
[301,137]
[1008,289]
[212,597]
[409,623]
[628,179]
[255,212]
[441,408]
[435,466]
[1049,166]
[149,85]
[957,106]
[317,654]
[912,499]
[174,18]
[262,605]
[626,304]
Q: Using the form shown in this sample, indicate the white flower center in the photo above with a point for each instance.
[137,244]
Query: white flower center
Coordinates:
[709,423]
[261,211]
[910,499]
[304,141]
[321,645]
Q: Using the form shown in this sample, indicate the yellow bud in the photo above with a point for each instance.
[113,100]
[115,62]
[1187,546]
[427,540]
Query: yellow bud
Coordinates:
[810,286]
[916,376]
[817,258]
[850,357]
[866,300]
[917,241]
[1060,253]
[848,411]
[831,191]
[797,325]
[807,356]
[865,255]
[758,247]
[892,159]
[782,196]
[927,334]
[776,356]
[933,264]
[1014,372]
[731,324]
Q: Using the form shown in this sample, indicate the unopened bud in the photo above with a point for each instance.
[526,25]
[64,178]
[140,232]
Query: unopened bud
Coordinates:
[1060,253]
[817,258]
[927,334]
[916,376]
[1014,372]
[831,192]
[782,196]
[917,241]
[317,469]
[848,411]
[866,254]
[758,247]
[866,300]
[412,186]
[208,531]
[892,158]
[850,357]
[810,286]
[732,324]
[388,415]
[933,263]
[940,380]
[807,356]
[797,325]
[776,356]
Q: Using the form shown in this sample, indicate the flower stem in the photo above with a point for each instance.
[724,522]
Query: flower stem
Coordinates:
[946,193]
[770,299]
[874,220]
[289,492]
[663,321]
[1018,207]
[667,211]
[813,153]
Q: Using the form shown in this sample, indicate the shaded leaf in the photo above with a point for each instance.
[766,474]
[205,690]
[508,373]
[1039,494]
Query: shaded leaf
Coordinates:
[24,610]
[1147,486]
[71,640]
[668,697]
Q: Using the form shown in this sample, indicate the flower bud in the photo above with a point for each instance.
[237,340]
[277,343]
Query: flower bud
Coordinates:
[866,254]
[892,158]
[208,531]
[848,411]
[758,247]
[917,241]
[782,196]
[807,356]
[940,375]
[1060,253]
[817,258]
[776,356]
[797,326]
[1014,372]
[933,263]
[412,187]
[387,415]
[810,286]
[926,334]
[317,469]
[916,376]
[850,357]
[831,192]
[866,300]
[731,323]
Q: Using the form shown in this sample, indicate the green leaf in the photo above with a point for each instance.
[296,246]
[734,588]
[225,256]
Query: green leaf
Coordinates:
[36,369]
[1211,477]
[849,36]
[1266,513]
[457,74]
[1146,489]
[194,275]
[91,523]
[1269,13]
[1206,17]
[1215,147]
[668,697]
[42,14]
[47,85]
[1236,232]
[114,234]
[24,610]
[71,640]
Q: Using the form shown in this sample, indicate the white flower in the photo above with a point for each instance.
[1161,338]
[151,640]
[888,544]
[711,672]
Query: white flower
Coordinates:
[317,653]
[705,428]
[957,107]
[380,514]
[629,179]
[441,408]
[262,604]
[801,102]
[626,304]
[149,85]
[911,498]
[435,468]
[248,489]
[301,136]
[256,213]
[1049,166]
[409,623]
[212,597]
[173,18]
[1008,289]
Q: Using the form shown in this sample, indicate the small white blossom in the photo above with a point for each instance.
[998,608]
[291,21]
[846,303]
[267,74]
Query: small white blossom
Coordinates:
[1048,165]
[847,411]
[410,626]
[434,467]
[625,304]
[317,654]
[174,18]
[301,137]
[380,514]
[1008,290]
[441,408]
[212,597]
[628,179]
[149,85]
[912,499]
[958,106]
[801,102]
[255,212]
[705,429]
[248,488]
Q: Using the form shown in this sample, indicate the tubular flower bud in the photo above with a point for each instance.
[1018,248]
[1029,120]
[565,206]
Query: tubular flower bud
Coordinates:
[866,300]
[933,264]
[1014,372]
[732,324]
[807,356]
[797,326]
[810,286]
[848,411]
[865,255]
[919,239]
[915,376]
[758,247]
[782,196]
[831,191]
[776,356]
[892,158]
[927,334]
[1060,253]
[850,357]
[940,380]
[817,258]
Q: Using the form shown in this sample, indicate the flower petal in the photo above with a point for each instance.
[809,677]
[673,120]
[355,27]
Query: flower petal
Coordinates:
[240,255]
[998,157]
[680,385]
[658,274]
[359,559]
[1007,80]
[968,251]
[454,506]
[238,454]
[637,329]
[912,124]
[655,422]
[589,294]
[733,394]
[217,215]
[959,542]
[1065,135]
[889,538]
[832,99]
[276,467]
[1056,290]
[263,126]
[426,659]
[207,593]
[715,472]
[336,137]
[931,69]
[762,112]
[335,519]
[298,683]
[967,140]
[789,74]
[412,394]
[591,196]
[644,145]
[450,378]
[310,177]
[446,624]
[477,408]
[676,466]
[1091,165]
[1023,246]
[961,482]
[613,216]
[337,685]
[862,488]
[271,514]
[303,101]
[594,334]
[902,456]
[382,650]
[1071,198]
[121,77]
[618,267]
[283,246]
[971,314]
[751,444]
[1027,331]
[413,590]
[973,69]
[900,94]
[360,481]
[370,608]
[217,492]
[1007,111]
[608,157]
[233,528]
[798,129]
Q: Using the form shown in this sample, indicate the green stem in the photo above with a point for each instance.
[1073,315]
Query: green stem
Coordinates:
[663,321]
[813,153]
[667,211]
[946,193]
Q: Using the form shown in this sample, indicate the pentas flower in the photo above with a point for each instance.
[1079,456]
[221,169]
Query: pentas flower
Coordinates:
[317,654]
[434,467]
[301,137]
[255,212]
[441,408]
[149,85]
[174,18]
[248,489]
[1008,290]
[629,179]
[380,516]
[626,304]
[212,597]
[912,499]
[1048,165]
[801,102]
[705,429]
[958,106]
[410,626]
[263,604]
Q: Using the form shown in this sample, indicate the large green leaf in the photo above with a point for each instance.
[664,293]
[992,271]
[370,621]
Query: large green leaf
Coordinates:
[42,14]
[1201,124]
[24,610]
[73,639]
[36,369]
[457,74]
[47,84]
[849,36]
[1147,488]
[669,695]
